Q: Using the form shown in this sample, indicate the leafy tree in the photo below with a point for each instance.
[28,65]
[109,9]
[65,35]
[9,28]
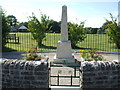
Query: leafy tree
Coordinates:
[100,31]
[113,31]
[24,23]
[90,30]
[5,28]
[38,28]
[105,24]
[76,33]
[55,26]
[94,30]
[87,30]
[12,20]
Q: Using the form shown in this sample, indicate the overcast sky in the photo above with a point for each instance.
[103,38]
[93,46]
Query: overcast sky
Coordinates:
[93,12]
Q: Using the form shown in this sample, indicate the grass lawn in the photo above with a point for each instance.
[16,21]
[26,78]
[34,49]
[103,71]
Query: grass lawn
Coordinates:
[99,41]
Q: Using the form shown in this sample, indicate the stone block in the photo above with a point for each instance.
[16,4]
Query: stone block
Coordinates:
[87,83]
[26,82]
[87,74]
[42,77]
[40,67]
[27,73]
[99,82]
[115,72]
[41,73]
[29,77]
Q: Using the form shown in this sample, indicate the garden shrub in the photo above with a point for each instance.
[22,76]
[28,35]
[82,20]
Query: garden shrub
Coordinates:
[76,33]
[113,31]
[5,28]
[38,28]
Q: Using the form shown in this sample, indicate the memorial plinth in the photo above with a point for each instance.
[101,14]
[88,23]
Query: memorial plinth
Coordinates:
[64,53]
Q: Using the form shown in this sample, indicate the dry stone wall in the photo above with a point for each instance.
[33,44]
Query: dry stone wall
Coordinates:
[100,74]
[24,74]
[34,74]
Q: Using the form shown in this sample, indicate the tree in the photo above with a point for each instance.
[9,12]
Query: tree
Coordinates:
[55,26]
[38,28]
[87,30]
[24,23]
[100,31]
[5,28]
[104,26]
[94,30]
[113,31]
[12,20]
[76,33]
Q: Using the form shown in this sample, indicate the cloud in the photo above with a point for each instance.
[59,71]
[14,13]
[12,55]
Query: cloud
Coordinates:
[90,21]
[94,22]
[55,14]
[54,10]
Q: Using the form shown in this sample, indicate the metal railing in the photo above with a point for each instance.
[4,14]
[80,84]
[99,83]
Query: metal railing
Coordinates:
[72,78]
[26,41]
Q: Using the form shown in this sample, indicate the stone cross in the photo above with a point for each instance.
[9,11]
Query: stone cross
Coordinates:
[64,27]
[119,13]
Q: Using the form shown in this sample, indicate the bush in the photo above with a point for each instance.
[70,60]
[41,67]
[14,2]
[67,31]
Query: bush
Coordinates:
[76,33]
[5,28]
[91,55]
[113,31]
[38,27]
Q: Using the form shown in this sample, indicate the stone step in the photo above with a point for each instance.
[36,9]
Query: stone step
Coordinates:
[64,88]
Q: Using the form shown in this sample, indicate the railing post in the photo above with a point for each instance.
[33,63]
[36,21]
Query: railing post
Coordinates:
[71,79]
[50,75]
[75,72]
[58,80]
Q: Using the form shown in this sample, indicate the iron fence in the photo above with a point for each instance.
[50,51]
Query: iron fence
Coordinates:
[26,41]
[60,76]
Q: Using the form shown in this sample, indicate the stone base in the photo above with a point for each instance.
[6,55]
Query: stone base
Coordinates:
[63,61]
[64,53]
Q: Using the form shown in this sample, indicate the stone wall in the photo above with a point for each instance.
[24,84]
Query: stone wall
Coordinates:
[24,74]
[34,74]
[100,74]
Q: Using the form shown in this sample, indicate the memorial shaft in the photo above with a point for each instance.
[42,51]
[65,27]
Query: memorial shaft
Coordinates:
[64,26]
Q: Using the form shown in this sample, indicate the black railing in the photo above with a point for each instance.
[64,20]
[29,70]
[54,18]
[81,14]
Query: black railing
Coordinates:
[26,41]
[72,75]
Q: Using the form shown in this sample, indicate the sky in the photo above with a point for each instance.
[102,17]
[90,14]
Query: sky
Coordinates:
[93,12]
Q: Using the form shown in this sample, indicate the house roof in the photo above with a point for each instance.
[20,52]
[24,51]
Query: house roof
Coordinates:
[22,27]
[16,26]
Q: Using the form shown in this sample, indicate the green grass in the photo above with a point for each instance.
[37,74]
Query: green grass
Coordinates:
[99,41]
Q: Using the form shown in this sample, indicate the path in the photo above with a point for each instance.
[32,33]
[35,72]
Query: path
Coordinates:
[19,55]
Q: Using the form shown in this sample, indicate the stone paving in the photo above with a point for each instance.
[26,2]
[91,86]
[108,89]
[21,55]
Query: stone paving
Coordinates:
[19,55]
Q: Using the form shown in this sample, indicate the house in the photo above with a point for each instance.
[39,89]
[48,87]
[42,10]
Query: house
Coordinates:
[19,28]
[101,31]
